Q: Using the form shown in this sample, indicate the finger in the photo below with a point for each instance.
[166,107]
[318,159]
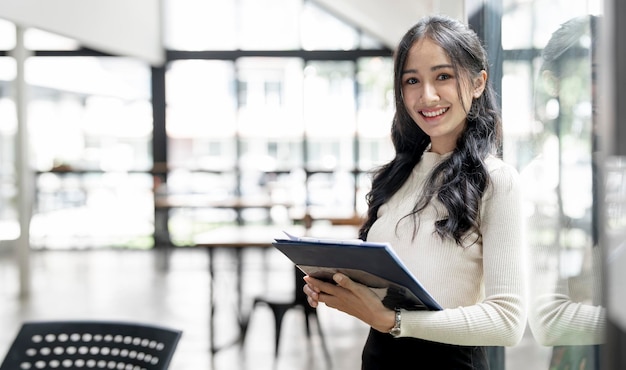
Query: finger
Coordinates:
[343,281]
[312,302]
[310,292]
[312,283]
[320,285]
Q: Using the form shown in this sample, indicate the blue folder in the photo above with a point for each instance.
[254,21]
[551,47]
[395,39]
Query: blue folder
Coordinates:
[373,264]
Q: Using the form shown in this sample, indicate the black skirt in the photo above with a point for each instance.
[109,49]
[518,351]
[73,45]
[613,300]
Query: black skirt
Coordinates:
[382,351]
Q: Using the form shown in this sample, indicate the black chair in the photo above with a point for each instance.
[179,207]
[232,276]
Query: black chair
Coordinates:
[280,308]
[91,344]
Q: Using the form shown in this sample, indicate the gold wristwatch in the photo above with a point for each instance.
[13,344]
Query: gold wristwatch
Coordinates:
[395,331]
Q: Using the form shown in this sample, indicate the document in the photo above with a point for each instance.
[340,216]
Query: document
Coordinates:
[373,264]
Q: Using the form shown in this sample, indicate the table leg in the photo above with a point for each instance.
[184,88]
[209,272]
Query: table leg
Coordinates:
[242,321]
[211,306]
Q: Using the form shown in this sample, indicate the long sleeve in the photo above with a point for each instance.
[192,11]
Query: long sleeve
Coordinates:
[564,311]
[481,286]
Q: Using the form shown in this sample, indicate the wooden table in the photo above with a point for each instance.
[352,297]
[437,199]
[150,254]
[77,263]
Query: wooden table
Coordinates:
[163,203]
[235,238]
[238,238]
[170,201]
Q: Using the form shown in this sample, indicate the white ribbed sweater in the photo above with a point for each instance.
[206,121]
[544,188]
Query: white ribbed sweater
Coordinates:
[481,287]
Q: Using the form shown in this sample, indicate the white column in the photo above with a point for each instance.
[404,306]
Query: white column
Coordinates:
[22,167]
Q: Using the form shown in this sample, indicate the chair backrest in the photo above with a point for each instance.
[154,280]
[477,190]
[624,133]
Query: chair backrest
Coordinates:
[91,345]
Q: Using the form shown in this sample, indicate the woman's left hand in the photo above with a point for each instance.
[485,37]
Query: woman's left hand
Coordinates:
[352,298]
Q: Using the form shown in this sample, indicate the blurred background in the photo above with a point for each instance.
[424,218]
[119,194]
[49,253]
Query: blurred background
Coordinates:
[133,136]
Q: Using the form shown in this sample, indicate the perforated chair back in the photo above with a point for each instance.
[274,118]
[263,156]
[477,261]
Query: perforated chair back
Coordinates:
[91,345]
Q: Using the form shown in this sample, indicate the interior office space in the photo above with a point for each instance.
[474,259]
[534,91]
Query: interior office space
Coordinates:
[256,113]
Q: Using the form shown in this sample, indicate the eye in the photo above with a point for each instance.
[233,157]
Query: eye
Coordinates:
[411,81]
[444,76]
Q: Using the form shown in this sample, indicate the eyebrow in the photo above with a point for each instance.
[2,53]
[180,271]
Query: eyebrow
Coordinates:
[432,69]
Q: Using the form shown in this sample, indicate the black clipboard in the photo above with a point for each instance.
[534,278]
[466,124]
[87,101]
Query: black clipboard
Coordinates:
[373,264]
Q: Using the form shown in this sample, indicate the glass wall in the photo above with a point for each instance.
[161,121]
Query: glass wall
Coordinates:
[549,116]
[260,126]
[276,129]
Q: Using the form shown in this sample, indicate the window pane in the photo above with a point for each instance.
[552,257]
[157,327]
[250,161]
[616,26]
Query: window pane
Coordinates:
[375,111]
[7,35]
[518,109]
[270,97]
[89,113]
[329,114]
[201,114]
[90,124]
[82,210]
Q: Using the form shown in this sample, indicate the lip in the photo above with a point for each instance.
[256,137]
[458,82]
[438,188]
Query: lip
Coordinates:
[433,113]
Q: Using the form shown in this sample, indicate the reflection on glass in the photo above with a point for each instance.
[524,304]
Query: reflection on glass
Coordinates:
[615,187]
[544,17]
[564,309]
[615,226]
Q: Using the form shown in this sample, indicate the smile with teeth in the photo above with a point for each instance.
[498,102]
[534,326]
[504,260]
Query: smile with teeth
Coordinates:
[434,113]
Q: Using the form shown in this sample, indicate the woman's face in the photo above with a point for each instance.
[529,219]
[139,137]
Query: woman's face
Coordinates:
[431,96]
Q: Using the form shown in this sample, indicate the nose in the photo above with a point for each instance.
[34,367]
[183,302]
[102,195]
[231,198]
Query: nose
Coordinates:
[429,94]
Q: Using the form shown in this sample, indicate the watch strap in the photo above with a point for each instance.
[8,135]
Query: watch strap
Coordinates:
[395,331]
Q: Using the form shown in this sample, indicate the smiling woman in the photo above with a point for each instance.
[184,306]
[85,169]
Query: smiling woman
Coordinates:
[439,203]
[436,95]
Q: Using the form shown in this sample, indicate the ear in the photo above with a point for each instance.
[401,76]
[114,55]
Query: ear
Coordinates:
[550,82]
[480,82]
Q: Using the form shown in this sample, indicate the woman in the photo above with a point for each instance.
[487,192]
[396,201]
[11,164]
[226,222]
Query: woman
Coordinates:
[450,208]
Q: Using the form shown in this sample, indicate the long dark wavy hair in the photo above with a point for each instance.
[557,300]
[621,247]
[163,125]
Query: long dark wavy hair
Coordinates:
[459,181]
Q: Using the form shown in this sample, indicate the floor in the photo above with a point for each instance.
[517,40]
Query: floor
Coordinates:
[132,285]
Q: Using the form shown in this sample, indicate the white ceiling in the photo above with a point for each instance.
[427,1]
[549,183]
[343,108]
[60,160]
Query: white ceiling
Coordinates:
[388,20]
[134,28]
[116,26]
